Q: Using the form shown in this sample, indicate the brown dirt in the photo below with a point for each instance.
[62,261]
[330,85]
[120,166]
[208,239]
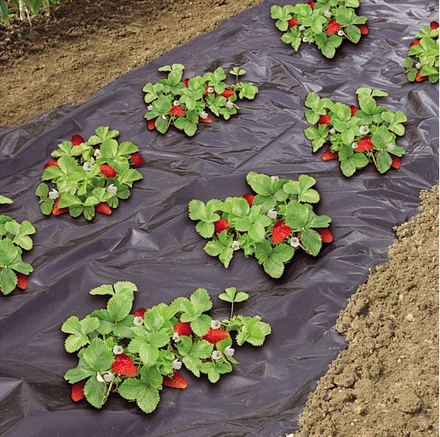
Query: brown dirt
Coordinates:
[385,383]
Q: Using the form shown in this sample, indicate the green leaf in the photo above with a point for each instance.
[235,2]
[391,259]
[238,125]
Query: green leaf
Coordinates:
[231,295]
[383,160]
[79,330]
[98,355]
[119,306]
[253,331]
[351,164]
[95,392]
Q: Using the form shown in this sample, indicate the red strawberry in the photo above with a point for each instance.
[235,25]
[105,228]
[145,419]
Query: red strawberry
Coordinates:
[77,140]
[177,111]
[228,93]
[311,4]
[363,28]
[249,198]
[353,110]
[328,155]
[185,81]
[123,365]
[395,162]
[419,77]
[107,170]
[326,235]
[183,328]
[77,390]
[151,125]
[207,119]
[176,381]
[103,208]
[215,335]
[416,42]
[22,281]
[220,225]
[136,159]
[51,163]
[280,232]
[324,119]
[433,25]
[364,144]
[140,312]
[293,22]
[58,211]
[333,27]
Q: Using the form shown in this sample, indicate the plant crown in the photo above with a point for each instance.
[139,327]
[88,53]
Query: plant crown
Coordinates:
[183,102]
[422,62]
[326,23]
[152,343]
[14,238]
[278,221]
[356,136]
[76,179]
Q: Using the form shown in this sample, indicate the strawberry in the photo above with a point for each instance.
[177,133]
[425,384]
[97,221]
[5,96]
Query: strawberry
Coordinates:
[136,159]
[215,335]
[433,25]
[123,365]
[103,208]
[395,162]
[328,155]
[207,119]
[77,140]
[364,144]
[183,328]
[77,390]
[107,170]
[151,125]
[416,42]
[280,232]
[333,27]
[326,235]
[140,312]
[176,381]
[177,111]
[419,77]
[363,28]
[353,110]
[311,4]
[56,210]
[228,93]
[51,163]
[324,119]
[249,198]
[185,82]
[22,281]
[292,22]
[220,225]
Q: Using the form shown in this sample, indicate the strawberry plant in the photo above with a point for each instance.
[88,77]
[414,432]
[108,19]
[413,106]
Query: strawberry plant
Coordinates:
[422,61]
[85,177]
[24,8]
[271,224]
[14,238]
[183,103]
[326,23]
[136,354]
[356,136]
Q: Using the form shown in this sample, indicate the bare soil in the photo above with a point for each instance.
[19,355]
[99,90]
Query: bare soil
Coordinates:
[385,384]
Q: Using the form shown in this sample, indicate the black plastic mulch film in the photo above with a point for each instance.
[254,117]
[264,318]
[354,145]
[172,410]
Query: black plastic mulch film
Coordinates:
[150,240]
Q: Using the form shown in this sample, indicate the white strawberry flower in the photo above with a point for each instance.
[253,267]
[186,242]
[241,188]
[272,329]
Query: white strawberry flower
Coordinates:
[305,39]
[363,130]
[327,14]
[87,166]
[332,131]
[138,321]
[210,90]
[203,115]
[215,324]
[418,65]
[228,351]
[274,178]
[176,337]
[354,145]
[301,28]
[272,214]
[150,107]
[235,245]
[99,377]
[164,117]
[54,194]
[229,104]
[97,153]
[216,355]
[117,350]
[340,32]
[176,364]
[109,377]
[112,189]
[176,103]
[294,241]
